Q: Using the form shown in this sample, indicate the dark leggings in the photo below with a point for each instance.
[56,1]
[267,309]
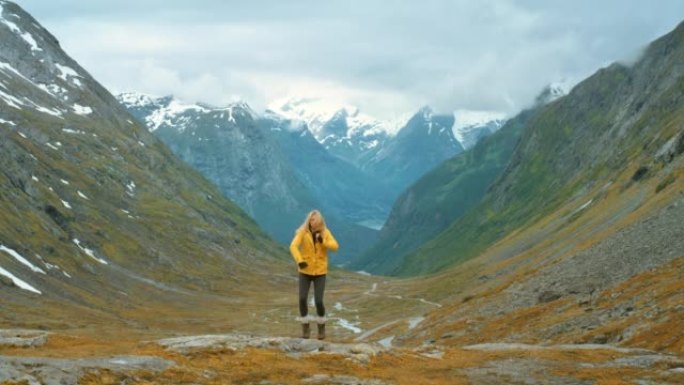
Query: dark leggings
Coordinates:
[319,287]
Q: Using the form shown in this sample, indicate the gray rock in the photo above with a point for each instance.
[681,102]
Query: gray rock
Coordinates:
[548,296]
[360,352]
[54,371]
[671,149]
[23,337]
[341,380]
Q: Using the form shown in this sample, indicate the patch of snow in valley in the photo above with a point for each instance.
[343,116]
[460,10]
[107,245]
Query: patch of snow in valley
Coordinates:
[82,195]
[362,272]
[338,306]
[89,252]
[66,204]
[21,284]
[415,321]
[423,300]
[21,259]
[349,326]
[386,342]
[34,178]
[64,182]
[52,146]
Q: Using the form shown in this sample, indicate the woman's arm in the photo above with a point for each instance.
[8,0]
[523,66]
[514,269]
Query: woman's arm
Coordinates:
[329,241]
[294,247]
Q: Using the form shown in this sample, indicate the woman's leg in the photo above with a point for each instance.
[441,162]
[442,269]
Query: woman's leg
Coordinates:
[319,289]
[304,285]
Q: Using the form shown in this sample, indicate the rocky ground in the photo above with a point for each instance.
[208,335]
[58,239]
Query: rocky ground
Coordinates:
[245,359]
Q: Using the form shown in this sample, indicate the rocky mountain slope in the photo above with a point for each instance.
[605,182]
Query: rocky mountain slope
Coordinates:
[347,191]
[99,218]
[619,119]
[142,273]
[344,131]
[228,147]
[437,199]
[275,172]
[424,142]
[440,197]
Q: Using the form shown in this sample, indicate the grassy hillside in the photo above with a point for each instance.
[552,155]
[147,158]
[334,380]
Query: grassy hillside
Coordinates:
[620,117]
[440,197]
[98,216]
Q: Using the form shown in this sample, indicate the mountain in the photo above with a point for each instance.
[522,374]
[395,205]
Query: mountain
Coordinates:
[352,140]
[425,141]
[100,220]
[227,146]
[472,126]
[441,196]
[342,130]
[251,162]
[612,124]
[346,191]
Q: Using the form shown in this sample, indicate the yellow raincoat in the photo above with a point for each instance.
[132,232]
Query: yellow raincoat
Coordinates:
[303,249]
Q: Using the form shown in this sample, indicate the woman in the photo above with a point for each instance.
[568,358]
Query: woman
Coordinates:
[309,249]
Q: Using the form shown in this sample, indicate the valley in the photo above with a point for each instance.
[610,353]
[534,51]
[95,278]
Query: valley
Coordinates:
[142,239]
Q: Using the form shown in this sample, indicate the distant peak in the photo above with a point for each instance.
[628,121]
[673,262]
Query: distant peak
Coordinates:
[554,91]
[426,111]
[138,98]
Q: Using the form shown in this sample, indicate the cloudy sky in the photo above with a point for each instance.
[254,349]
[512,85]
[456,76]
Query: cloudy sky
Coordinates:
[387,57]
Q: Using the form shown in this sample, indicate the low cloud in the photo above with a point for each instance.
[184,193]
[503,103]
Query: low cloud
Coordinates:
[385,56]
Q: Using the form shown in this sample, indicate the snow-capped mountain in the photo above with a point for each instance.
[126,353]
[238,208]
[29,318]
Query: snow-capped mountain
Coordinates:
[271,166]
[554,91]
[227,146]
[345,189]
[357,138]
[95,209]
[170,112]
[343,130]
[472,126]
[426,140]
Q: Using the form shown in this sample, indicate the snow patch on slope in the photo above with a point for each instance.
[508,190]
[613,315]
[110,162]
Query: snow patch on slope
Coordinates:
[21,259]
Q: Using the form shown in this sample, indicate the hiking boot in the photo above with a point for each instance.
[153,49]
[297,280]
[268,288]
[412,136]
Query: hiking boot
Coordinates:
[321,331]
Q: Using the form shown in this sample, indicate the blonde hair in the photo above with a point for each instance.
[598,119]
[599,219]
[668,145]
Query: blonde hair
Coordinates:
[320,226]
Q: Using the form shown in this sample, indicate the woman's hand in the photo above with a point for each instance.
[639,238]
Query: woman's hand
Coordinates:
[319,237]
[302,265]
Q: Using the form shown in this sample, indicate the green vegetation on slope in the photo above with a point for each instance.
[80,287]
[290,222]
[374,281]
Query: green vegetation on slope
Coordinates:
[619,116]
[440,197]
